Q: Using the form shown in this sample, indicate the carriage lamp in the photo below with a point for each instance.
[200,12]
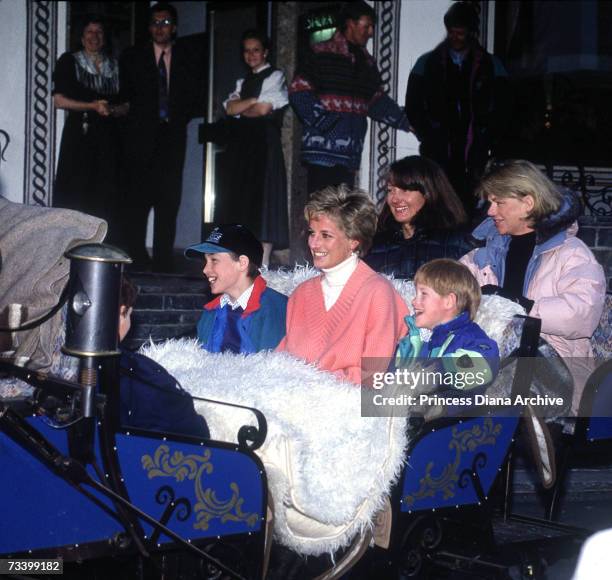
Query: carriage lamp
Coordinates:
[92,326]
[92,321]
[93,300]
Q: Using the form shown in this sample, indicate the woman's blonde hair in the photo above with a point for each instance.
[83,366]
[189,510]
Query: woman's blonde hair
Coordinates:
[352,210]
[519,178]
[445,276]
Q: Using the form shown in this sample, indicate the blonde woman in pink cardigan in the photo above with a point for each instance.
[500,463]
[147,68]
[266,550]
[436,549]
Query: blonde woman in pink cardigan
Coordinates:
[348,313]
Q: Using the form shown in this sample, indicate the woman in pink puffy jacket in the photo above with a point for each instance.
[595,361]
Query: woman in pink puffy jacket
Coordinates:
[531,254]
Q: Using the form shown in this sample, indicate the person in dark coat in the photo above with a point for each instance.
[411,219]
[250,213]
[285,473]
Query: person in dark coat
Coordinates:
[458,103]
[150,397]
[163,93]
[422,219]
[86,85]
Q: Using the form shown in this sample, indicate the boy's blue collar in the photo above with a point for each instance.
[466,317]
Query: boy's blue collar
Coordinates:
[448,327]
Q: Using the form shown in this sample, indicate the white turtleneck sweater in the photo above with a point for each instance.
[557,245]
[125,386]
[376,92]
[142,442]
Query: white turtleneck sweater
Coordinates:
[335,279]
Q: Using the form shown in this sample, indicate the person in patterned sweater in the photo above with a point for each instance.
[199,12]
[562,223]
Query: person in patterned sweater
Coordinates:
[333,92]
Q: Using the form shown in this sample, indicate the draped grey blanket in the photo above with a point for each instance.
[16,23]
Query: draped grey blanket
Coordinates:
[34,270]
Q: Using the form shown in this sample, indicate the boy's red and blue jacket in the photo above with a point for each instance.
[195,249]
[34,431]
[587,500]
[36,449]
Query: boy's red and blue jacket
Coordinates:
[460,345]
[261,325]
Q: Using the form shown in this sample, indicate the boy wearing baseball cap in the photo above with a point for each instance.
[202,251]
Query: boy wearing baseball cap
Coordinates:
[246,316]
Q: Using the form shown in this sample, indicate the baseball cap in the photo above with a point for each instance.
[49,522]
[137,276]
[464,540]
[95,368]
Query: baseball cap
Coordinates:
[229,238]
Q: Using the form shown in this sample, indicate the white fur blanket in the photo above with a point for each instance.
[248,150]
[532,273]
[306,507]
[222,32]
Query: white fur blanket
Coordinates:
[329,469]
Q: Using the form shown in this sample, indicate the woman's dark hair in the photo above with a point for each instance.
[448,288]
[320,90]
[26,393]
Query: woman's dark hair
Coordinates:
[354,11]
[443,208]
[252,33]
[88,19]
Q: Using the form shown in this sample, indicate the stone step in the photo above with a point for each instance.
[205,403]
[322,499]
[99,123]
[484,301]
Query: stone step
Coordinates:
[596,232]
[580,481]
[585,492]
[168,306]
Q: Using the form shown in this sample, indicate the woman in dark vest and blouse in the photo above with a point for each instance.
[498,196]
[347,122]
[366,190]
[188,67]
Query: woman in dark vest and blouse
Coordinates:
[253,187]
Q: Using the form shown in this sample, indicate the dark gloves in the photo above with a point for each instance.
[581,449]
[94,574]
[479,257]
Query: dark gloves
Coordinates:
[492,289]
[489,289]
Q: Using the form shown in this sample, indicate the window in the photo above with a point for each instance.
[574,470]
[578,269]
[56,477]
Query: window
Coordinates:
[559,57]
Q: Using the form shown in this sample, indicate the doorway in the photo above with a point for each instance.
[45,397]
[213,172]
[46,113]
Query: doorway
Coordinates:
[226,23]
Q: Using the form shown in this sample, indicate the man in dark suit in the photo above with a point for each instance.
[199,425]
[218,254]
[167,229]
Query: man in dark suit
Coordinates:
[158,81]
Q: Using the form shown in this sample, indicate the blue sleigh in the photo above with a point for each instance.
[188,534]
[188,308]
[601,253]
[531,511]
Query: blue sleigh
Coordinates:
[136,504]
[110,501]
[451,509]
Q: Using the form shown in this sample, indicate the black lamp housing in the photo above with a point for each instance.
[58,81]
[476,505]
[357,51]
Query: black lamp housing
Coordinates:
[92,322]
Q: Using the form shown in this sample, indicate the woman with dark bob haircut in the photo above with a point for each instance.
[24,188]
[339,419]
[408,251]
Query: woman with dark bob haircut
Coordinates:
[86,85]
[422,219]
[349,317]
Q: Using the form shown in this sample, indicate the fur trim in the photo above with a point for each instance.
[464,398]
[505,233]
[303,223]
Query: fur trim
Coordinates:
[286,281]
[562,219]
[329,469]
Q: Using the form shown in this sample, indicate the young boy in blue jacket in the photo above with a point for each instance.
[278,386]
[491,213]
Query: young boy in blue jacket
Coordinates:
[446,301]
[150,397]
[246,316]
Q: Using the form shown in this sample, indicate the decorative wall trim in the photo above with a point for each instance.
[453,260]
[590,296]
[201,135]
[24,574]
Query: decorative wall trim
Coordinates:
[5,139]
[486,11]
[40,115]
[386,52]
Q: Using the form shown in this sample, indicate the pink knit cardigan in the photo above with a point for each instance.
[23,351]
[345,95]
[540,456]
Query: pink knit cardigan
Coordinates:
[367,321]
